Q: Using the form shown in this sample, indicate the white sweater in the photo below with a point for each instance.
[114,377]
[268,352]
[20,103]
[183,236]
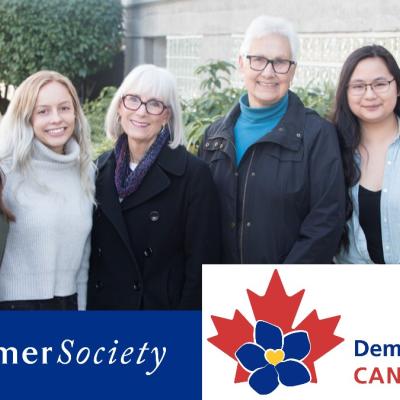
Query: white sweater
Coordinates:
[48,247]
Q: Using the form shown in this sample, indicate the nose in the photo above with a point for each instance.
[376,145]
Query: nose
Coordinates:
[55,116]
[369,92]
[141,110]
[268,70]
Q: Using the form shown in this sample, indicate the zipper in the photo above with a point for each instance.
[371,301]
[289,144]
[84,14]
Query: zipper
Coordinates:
[241,250]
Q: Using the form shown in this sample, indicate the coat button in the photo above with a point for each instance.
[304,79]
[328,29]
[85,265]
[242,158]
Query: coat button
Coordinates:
[99,285]
[136,286]
[248,224]
[253,174]
[148,252]
[233,225]
[216,144]
[154,216]
[298,135]
[208,144]
[99,251]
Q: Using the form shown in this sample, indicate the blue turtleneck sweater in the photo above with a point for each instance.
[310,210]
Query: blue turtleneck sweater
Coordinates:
[255,122]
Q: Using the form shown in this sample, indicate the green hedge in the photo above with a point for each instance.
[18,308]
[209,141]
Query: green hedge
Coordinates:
[74,37]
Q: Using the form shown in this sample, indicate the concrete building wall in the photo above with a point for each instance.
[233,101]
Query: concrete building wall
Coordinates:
[329,30]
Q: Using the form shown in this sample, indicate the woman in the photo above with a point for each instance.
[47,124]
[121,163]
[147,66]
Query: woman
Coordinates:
[49,187]
[157,218]
[276,164]
[367,119]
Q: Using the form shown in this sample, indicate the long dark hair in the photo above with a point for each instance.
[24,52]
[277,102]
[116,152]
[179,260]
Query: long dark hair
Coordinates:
[347,124]
[3,209]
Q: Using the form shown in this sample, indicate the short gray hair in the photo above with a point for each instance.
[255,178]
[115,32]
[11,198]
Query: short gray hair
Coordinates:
[152,81]
[265,25]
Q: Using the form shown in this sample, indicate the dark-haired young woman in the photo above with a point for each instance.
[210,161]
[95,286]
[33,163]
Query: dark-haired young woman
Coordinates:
[367,119]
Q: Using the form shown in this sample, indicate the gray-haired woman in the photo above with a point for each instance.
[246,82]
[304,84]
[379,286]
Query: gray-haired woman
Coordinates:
[276,164]
[157,219]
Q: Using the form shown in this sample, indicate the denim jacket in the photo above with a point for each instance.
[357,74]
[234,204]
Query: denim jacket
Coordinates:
[390,216]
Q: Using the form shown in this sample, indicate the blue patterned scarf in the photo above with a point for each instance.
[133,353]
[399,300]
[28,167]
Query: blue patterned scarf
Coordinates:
[126,180]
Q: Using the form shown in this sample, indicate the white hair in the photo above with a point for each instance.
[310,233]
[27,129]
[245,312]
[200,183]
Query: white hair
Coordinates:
[152,81]
[265,25]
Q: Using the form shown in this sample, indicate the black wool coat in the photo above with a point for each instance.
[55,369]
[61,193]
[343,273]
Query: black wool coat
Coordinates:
[148,249]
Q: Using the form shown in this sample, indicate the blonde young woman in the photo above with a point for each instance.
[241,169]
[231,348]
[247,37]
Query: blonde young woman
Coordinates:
[49,188]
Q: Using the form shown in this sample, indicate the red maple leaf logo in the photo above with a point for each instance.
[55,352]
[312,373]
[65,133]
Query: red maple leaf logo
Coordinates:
[276,307]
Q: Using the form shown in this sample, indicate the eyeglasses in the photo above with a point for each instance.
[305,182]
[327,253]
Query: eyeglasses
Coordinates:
[258,63]
[153,106]
[378,86]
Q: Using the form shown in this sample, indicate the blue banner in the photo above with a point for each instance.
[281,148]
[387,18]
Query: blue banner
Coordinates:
[100,355]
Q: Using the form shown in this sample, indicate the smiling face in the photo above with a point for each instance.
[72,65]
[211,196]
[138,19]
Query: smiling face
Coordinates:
[266,87]
[372,107]
[53,117]
[141,127]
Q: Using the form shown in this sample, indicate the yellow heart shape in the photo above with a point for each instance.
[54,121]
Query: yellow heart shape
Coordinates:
[274,357]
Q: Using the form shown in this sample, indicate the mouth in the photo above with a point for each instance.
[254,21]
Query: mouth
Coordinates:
[56,131]
[267,84]
[139,124]
[372,107]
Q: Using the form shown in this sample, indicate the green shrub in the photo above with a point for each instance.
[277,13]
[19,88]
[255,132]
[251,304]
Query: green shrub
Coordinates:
[216,99]
[75,37]
[318,98]
[95,112]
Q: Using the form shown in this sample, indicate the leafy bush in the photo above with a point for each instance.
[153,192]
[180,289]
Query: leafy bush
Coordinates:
[318,98]
[75,37]
[95,112]
[216,99]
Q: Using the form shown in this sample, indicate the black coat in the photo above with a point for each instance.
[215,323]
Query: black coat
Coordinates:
[285,201]
[147,251]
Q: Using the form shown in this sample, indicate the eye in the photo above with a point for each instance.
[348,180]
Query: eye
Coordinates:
[357,86]
[42,111]
[380,85]
[155,104]
[65,108]
[133,99]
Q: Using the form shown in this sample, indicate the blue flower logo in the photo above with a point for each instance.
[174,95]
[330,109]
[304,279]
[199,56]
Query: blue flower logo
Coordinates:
[275,358]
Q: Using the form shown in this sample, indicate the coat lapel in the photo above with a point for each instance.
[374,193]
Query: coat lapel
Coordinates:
[108,200]
[155,181]
[169,162]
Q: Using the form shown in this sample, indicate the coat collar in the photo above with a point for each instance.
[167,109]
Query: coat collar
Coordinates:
[169,162]
[288,133]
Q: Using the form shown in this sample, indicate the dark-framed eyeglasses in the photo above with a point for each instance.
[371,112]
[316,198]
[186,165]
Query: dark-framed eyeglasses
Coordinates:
[359,88]
[153,106]
[259,63]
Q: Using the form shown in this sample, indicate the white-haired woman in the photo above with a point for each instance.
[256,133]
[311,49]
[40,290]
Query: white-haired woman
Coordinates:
[49,188]
[276,163]
[157,218]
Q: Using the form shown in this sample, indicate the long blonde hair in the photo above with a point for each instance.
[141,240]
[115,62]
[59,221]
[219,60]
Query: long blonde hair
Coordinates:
[16,131]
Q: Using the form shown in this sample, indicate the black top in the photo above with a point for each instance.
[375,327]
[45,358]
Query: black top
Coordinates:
[370,221]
